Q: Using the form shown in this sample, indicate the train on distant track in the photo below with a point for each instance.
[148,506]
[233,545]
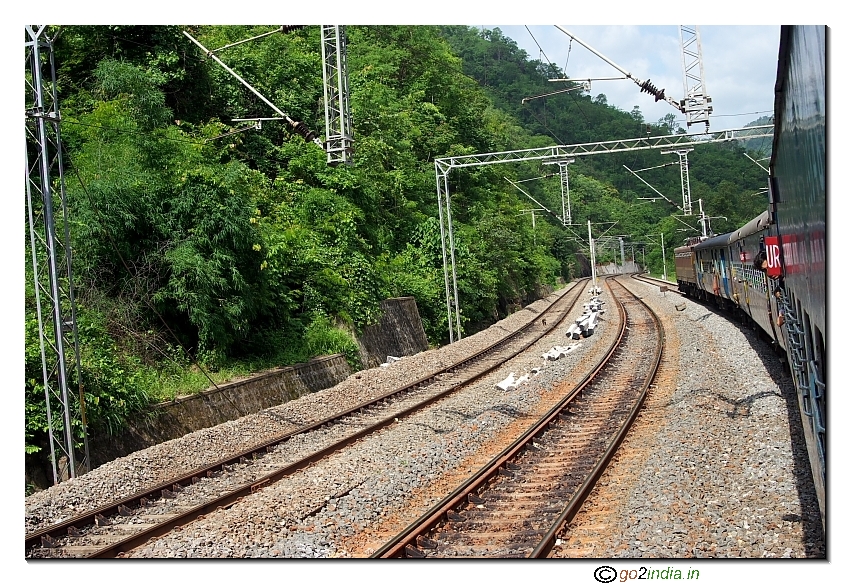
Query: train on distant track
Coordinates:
[788,301]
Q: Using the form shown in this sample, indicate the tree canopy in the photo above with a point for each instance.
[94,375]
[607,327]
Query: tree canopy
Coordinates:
[196,236]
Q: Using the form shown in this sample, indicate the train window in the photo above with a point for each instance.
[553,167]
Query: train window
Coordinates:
[754,277]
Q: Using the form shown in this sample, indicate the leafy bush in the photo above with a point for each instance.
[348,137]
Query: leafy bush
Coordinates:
[322,337]
[115,384]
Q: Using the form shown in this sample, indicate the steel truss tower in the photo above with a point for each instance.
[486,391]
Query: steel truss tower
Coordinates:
[566,212]
[338,143]
[443,166]
[51,261]
[687,207]
[695,105]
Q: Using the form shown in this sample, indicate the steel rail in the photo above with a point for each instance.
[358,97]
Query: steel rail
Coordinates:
[550,538]
[234,496]
[164,489]
[397,546]
[403,544]
[669,285]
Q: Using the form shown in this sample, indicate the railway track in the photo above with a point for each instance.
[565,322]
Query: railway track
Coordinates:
[120,526]
[666,286]
[517,503]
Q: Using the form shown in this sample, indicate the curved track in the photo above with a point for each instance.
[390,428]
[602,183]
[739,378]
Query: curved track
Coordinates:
[128,523]
[663,285]
[517,503]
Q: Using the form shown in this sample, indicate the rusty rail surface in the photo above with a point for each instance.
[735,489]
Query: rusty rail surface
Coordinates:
[50,537]
[469,501]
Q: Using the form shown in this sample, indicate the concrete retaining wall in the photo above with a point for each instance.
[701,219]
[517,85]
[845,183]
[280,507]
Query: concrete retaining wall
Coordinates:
[399,333]
[217,405]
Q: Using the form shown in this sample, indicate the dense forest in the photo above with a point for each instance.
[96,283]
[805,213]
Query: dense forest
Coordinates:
[201,244]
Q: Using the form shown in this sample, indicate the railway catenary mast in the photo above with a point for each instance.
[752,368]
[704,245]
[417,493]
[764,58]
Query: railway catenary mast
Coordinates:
[339,137]
[695,105]
[51,260]
[443,166]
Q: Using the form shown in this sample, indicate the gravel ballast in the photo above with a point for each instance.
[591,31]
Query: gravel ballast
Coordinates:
[715,466]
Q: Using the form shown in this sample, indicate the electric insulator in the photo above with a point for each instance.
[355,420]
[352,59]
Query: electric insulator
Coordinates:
[648,87]
[290,27]
[301,129]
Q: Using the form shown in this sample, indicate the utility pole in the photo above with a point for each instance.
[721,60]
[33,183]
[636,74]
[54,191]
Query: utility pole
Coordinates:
[706,221]
[51,261]
[663,257]
[592,258]
[622,255]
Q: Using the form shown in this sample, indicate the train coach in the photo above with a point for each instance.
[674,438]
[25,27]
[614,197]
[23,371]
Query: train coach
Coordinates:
[791,232]
[720,270]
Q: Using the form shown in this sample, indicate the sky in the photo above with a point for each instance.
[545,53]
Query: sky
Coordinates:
[739,63]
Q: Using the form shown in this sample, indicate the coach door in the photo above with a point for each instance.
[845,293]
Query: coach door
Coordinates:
[724,274]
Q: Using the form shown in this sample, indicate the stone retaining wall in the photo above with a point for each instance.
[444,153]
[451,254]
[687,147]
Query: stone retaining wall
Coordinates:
[217,405]
[399,333]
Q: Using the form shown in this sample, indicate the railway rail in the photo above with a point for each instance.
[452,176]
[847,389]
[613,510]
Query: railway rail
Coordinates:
[663,285]
[516,504]
[120,526]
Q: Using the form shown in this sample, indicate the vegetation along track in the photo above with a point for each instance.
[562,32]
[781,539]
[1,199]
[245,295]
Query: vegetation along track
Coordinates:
[516,504]
[132,521]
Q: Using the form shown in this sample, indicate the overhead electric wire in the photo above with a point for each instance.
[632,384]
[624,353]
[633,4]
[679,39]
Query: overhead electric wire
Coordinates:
[578,104]
[546,127]
[737,114]
[542,52]
[569,50]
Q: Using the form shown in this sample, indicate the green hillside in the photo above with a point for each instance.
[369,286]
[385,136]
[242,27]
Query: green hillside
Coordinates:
[202,249]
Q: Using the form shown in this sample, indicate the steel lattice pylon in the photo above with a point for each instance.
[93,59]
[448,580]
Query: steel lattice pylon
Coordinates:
[51,260]
[338,142]
[443,166]
[684,170]
[696,102]
[567,213]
